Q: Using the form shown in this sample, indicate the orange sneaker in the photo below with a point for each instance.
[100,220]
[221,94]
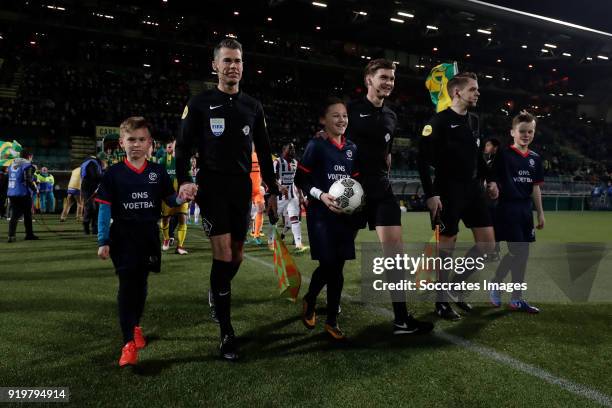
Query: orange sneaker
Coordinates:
[309,319]
[129,355]
[139,338]
[335,332]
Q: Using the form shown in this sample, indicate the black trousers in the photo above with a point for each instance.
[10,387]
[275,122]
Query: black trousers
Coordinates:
[131,298]
[2,204]
[90,212]
[21,206]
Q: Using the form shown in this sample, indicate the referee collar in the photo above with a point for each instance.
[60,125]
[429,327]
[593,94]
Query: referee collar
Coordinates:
[227,96]
[373,107]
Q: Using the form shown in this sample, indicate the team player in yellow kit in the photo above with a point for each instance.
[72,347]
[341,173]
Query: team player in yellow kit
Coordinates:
[168,161]
[73,195]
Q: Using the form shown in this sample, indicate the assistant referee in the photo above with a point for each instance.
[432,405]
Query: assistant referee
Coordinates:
[450,143]
[222,124]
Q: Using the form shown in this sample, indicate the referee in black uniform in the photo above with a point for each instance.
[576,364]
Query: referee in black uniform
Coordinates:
[450,143]
[371,127]
[221,125]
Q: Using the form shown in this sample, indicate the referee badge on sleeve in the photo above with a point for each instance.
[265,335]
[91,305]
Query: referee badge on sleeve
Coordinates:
[207,226]
[217,126]
[427,130]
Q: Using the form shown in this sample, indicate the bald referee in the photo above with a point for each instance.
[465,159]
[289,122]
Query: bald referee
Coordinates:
[221,125]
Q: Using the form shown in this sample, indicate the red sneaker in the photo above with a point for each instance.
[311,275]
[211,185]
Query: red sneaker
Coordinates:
[139,338]
[129,355]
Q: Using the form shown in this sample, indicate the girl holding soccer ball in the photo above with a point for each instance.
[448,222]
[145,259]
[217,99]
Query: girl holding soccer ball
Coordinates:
[331,231]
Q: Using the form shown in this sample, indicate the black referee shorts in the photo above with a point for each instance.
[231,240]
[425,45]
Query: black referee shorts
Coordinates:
[464,201]
[381,210]
[225,204]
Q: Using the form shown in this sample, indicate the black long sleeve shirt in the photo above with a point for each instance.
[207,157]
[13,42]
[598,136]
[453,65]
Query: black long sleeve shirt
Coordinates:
[450,143]
[222,128]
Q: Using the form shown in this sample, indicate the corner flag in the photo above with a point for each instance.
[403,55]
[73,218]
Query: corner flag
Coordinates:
[436,84]
[289,278]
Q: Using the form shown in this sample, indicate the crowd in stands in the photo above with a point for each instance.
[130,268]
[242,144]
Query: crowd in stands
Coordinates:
[71,95]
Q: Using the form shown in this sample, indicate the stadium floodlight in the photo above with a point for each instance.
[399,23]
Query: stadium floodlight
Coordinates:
[432,27]
[603,57]
[499,60]
[581,95]
[146,65]
[236,13]
[397,20]
[482,31]
[319,4]
[317,27]
[589,58]
[55,7]
[361,13]
[104,16]
[403,14]
[305,47]
[570,94]
[468,34]
[544,50]
[550,45]
[488,77]
[269,18]
[524,46]
[566,54]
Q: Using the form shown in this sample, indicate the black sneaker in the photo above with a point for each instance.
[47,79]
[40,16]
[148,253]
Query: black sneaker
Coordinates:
[31,238]
[445,311]
[228,349]
[211,305]
[412,326]
[465,306]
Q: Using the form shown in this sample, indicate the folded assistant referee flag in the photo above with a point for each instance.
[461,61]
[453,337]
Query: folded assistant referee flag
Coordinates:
[427,273]
[436,84]
[289,278]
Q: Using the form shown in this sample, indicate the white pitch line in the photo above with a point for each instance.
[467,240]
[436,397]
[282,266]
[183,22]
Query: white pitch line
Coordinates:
[492,354]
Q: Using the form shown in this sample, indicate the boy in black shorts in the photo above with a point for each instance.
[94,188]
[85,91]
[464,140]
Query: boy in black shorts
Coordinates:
[131,193]
[519,175]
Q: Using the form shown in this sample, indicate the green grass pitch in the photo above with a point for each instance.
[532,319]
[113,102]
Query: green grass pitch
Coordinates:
[58,327]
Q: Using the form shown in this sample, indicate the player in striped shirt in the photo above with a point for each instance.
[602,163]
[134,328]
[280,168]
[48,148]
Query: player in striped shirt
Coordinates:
[290,197]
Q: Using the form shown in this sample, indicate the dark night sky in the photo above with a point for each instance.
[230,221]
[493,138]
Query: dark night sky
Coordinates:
[595,14]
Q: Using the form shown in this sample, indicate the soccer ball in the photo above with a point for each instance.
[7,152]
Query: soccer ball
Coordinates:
[348,193]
